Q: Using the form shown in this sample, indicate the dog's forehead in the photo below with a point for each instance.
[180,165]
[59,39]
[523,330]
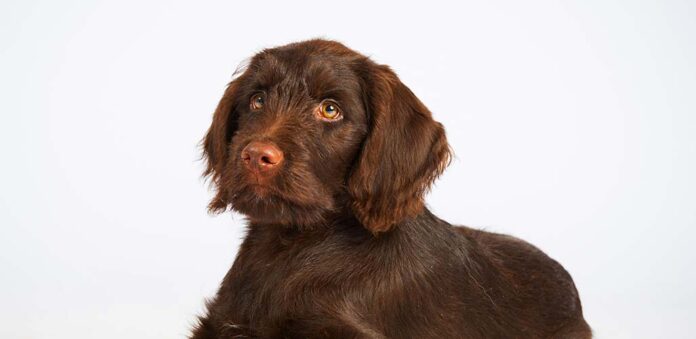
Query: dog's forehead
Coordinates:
[317,71]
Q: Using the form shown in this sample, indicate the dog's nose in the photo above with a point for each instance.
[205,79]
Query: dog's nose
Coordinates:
[261,156]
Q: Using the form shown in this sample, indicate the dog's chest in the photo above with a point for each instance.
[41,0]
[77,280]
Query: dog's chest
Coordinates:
[301,285]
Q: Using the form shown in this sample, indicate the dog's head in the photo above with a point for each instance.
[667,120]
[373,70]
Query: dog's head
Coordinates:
[314,129]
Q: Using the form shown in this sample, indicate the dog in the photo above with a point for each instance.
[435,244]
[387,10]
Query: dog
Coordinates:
[328,155]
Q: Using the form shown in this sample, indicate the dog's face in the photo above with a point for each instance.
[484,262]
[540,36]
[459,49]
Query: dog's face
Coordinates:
[314,129]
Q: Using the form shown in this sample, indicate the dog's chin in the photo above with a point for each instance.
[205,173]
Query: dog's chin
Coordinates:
[263,205]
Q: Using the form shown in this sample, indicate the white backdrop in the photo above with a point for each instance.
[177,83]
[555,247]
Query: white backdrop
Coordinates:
[573,125]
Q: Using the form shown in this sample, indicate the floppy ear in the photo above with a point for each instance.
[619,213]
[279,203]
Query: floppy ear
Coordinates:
[404,152]
[216,144]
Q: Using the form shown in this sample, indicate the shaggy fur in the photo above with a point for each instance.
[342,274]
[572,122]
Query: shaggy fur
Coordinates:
[339,243]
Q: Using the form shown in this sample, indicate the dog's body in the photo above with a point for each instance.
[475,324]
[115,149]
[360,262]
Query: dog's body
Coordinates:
[330,161]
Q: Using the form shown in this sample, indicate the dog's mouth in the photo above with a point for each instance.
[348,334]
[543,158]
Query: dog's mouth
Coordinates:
[280,200]
[263,190]
[264,204]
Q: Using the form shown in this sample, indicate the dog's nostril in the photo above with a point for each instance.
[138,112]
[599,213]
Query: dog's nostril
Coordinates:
[270,156]
[267,160]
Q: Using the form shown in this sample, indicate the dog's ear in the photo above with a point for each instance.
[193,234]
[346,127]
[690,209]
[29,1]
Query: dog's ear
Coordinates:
[404,152]
[217,142]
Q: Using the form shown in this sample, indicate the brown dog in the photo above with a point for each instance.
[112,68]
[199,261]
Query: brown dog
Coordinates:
[329,155]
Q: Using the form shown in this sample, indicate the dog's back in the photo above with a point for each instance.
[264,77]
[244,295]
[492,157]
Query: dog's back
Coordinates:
[528,287]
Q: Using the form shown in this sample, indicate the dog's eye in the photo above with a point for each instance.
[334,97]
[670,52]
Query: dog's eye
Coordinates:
[256,102]
[329,110]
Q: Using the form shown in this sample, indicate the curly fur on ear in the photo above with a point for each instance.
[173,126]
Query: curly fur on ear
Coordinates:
[405,151]
[216,144]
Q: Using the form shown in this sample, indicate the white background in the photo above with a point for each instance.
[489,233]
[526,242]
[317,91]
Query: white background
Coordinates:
[573,124]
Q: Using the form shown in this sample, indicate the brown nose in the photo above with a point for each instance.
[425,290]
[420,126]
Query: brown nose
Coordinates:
[261,157]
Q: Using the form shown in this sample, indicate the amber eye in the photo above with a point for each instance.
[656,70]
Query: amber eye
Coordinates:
[329,110]
[257,102]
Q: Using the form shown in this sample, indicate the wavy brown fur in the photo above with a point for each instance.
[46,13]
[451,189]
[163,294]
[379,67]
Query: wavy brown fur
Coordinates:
[339,243]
